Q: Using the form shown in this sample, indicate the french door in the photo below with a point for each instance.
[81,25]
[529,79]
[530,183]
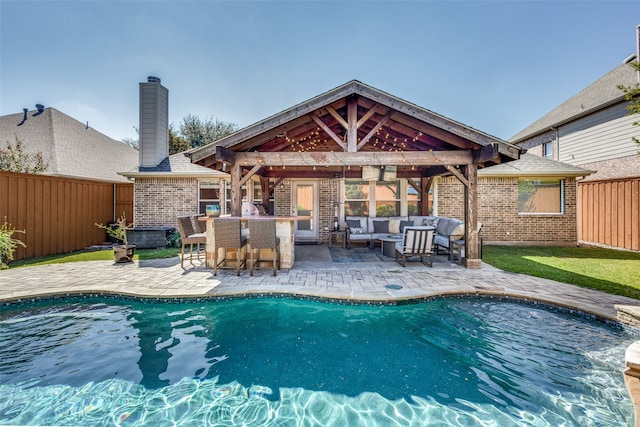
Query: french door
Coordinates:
[305,203]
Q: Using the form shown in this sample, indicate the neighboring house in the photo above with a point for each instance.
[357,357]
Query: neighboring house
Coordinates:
[593,130]
[81,186]
[69,147]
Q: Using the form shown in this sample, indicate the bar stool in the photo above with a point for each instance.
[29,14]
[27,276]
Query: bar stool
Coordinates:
[262,235]
[201,226]
[189,237]
[228,235]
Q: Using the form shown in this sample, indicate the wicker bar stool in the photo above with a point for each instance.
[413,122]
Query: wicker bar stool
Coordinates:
[201,226]
[262,235]
[189,237]
[228,235]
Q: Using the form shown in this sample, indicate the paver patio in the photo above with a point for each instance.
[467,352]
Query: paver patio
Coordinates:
[366,281]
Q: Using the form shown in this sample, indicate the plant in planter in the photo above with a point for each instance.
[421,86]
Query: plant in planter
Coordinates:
[8,244]
[118,230]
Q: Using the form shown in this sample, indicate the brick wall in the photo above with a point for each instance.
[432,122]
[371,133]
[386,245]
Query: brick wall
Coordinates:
[498,212]
[159,201]
[328,193]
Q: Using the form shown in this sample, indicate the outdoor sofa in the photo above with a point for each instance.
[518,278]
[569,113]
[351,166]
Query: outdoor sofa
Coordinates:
[370,229]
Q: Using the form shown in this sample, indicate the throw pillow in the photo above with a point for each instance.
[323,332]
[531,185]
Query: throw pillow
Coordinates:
[394,226]
[357,230]
[381,226]
[431,221]
[353,223]
[458,232]
[404,224]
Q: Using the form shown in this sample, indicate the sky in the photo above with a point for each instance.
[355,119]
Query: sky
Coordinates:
[496,66]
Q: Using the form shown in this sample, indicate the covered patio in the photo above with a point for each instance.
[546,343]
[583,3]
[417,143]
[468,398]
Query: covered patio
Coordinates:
[355,132]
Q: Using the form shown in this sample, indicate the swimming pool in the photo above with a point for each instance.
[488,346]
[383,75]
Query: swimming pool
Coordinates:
[279,361]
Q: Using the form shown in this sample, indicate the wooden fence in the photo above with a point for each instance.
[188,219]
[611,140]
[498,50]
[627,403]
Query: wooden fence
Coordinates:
[609,213]
[59,214]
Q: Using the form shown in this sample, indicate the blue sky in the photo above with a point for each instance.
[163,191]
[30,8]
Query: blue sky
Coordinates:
[494,65]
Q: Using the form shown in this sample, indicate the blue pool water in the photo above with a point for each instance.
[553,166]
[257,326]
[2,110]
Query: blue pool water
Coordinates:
[284,362]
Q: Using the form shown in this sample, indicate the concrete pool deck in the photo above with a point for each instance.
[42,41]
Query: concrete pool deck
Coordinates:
[314,274]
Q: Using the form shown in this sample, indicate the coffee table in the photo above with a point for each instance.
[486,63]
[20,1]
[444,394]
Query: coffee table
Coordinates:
[388,244]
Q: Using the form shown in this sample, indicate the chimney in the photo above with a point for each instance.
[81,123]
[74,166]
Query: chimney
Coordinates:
[154,123]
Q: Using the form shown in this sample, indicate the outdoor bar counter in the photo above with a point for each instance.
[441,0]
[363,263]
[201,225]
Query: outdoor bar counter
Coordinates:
[284,230]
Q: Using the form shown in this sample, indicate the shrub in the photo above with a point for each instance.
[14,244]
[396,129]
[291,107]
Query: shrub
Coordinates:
[8,244]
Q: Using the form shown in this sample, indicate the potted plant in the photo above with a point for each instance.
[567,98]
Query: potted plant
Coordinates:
[118,230]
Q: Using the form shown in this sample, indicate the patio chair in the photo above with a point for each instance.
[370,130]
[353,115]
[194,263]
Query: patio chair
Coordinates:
[189,237]
[228,235]
[262,235]
[417,241]
[201,226]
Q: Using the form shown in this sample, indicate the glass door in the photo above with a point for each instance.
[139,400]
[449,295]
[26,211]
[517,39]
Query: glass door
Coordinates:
[305,203]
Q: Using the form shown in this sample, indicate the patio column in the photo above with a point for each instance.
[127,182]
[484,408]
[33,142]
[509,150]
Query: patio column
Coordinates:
[236,193]
[471,256]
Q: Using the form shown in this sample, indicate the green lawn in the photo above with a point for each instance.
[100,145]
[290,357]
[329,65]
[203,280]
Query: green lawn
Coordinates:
[608,270]
[102,255]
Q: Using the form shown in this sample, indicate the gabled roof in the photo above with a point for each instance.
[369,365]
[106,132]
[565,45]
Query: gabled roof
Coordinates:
[174,166]
[600,94]
[381,123]
[529,165]
[71,148]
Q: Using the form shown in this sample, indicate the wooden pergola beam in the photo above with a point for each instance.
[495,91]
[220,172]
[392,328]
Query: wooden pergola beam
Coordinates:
[328,130]
[337,116]
[457,174]
[360,158]
[367,115]
[352,123]
[375,129]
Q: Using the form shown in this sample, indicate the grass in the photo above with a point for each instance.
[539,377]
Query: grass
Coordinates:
[101,255]
[612,271]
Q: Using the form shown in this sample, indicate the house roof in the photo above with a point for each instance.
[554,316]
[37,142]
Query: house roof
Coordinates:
[529,165]
[175,166]
[600,94]
[71,148]
[349,126]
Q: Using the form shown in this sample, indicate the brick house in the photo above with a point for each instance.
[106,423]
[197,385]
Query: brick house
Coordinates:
[171,186]
[594,131]
[531,200]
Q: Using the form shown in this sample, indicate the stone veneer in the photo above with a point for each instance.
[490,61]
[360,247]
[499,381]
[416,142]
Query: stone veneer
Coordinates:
[498,212]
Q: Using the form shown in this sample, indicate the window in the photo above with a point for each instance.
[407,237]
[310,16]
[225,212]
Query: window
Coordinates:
[209,194]
[356,197]
[547,150]
[388,198]
[540,196]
